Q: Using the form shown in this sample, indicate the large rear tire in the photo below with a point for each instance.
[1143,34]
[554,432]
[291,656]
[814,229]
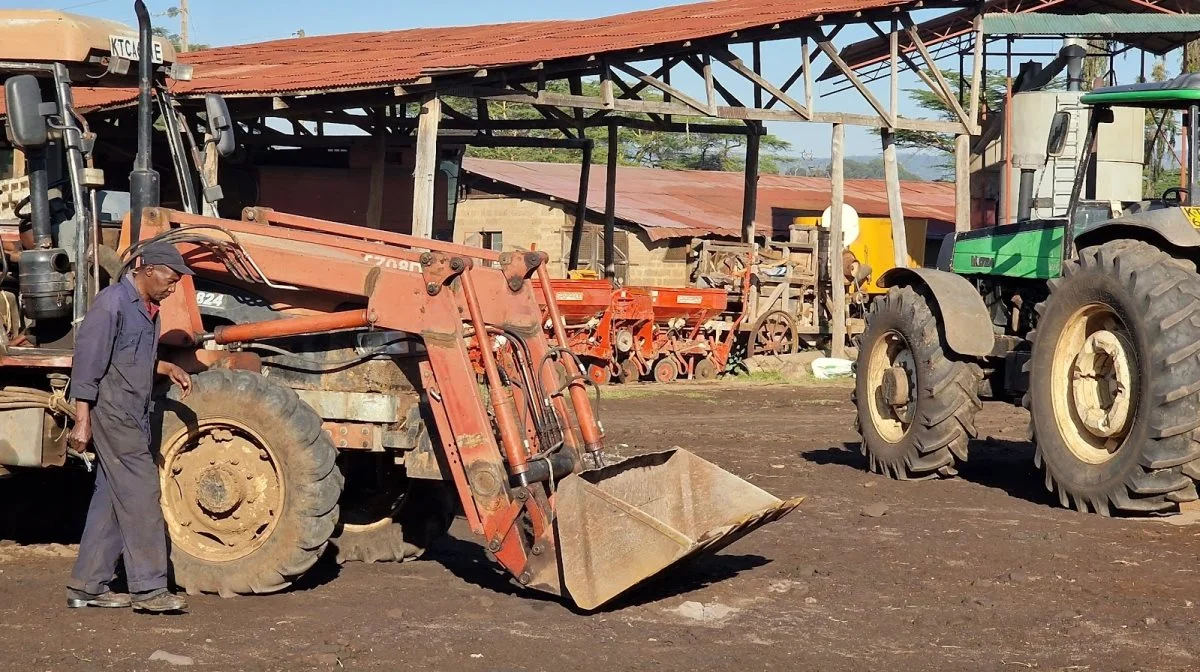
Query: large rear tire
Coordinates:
[1114,393]
[249,484]
[916,402]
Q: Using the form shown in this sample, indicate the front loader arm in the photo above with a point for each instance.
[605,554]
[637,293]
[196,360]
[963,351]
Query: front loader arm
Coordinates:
[466,304]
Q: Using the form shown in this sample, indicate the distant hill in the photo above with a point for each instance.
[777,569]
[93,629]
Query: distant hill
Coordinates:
[913,166]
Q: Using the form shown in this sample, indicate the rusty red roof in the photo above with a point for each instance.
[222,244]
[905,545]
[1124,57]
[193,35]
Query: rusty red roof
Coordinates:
[388,58]
[676,204]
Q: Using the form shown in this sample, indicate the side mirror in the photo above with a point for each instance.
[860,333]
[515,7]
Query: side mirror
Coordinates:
[26,118]
[220,124]
[1060,125]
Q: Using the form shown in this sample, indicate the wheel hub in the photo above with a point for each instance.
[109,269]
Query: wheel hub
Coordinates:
[1101,384]
[891,378]
[218,490]
[222,490]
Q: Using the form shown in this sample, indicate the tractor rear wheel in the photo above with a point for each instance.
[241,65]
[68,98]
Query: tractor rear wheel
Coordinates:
[249,484]
[386,516]
[1114,390]
[916,403]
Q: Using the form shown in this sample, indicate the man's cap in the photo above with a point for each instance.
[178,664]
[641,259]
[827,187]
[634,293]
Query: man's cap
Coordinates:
[165,254]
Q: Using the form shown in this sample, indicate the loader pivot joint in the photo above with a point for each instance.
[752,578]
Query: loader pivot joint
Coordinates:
[439,269]
[519,267]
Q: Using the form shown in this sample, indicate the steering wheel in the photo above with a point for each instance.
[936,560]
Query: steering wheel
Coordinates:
[1175,195]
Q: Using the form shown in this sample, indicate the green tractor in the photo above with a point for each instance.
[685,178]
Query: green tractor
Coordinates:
[1091,321]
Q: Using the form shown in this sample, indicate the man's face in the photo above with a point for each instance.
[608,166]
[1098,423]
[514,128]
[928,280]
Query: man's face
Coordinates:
[160,282]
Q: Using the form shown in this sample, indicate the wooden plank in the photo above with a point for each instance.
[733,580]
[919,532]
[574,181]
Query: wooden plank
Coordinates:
[580,208]
[806,63]
[734,63]
[722,112]
[977,70]
[750,187]
[610,204]
[671,93]
[425,170]
[915,36]
[894,46]
[830,52]
[379,140]
[837,178]
[891,180]
[962,183]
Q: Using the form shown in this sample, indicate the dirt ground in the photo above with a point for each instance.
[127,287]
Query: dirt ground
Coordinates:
[983,572]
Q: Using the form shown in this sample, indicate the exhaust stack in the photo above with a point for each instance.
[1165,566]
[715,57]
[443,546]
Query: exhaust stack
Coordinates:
[144,181]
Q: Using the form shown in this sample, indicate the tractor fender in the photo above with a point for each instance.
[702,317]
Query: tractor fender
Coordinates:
[968,329]
[1176,227]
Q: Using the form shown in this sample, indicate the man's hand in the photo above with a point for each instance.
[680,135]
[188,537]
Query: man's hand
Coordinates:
[177,376]
[81,433]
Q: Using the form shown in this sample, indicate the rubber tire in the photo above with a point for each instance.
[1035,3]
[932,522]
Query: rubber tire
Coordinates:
[665,370]
[947,393]
[1158,298]
[312,482]
[424,516]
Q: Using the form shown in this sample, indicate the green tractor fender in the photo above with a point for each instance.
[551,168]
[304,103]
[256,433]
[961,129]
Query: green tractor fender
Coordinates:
[968,331]
[1167,228]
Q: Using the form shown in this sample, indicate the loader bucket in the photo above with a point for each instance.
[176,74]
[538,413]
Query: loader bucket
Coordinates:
[624,523]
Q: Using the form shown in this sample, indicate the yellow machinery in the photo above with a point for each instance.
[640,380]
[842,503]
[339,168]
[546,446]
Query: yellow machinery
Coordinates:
[871,243]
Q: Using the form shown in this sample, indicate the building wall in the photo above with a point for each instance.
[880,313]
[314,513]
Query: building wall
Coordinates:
[523,224]
[548,225]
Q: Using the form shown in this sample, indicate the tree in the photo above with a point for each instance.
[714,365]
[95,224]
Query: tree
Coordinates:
[638,147]
[994,86]
[1161,130]
[177,41]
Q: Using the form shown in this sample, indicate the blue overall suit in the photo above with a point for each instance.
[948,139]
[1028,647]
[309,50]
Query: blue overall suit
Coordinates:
[116,349]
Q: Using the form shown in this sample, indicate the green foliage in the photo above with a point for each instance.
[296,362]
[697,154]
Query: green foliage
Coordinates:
[860,170]
[177,41]
[1162,127]
[994,86]
[653,149]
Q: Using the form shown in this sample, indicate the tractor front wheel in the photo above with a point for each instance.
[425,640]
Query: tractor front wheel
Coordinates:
[916,403]
[1114,390]
[249,485]
[387,516]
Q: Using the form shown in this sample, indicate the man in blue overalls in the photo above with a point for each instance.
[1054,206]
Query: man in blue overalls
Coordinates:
[116,353]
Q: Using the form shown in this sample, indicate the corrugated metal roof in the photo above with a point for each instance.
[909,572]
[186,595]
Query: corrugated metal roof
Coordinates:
[1091,24]
[947,26]
[377,59]
[675,204]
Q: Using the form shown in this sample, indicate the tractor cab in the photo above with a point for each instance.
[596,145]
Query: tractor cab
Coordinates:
[60,214]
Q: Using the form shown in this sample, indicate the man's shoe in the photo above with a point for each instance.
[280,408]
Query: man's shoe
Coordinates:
[109,600]
[163,603]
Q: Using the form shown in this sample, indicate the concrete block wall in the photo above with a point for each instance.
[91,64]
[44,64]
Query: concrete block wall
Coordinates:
[522,222]
[525,222]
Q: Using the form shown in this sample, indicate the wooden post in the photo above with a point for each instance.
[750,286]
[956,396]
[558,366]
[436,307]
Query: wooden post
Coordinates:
[581,207]
[425,170]
[750,189]
[891,179]
[894,46]
[837,178]
[379,138]
[610,205]
[962,183]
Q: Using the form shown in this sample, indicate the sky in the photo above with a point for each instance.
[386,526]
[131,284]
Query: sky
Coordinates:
[226,22]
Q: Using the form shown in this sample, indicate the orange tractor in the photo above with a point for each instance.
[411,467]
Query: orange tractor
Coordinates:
[335,394]
[630,333]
